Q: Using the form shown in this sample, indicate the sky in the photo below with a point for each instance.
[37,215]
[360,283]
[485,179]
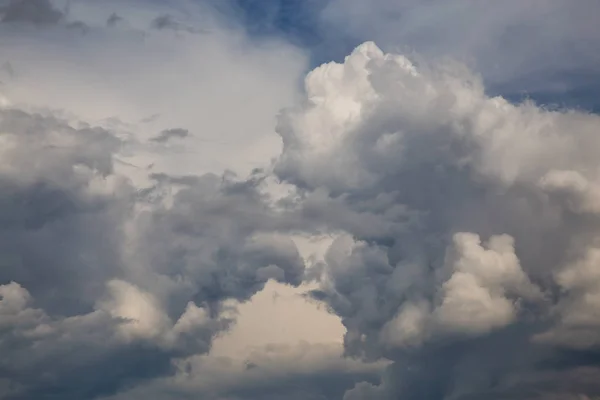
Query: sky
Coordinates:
[299,199]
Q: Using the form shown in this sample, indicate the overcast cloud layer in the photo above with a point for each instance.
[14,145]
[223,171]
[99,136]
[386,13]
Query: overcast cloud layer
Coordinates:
[185,212]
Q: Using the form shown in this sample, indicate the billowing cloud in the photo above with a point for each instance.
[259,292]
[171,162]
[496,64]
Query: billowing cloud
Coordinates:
[492,225]
[89,260]
[301,372]
[545,49]
[451,235]
[112,271]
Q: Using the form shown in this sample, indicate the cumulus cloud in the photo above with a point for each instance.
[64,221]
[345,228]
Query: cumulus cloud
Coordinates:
[481,295]
[68,199]
[108,275]
[299,371]
[89,261]
[547,49]
[476,297]
[491,223]
[461,229]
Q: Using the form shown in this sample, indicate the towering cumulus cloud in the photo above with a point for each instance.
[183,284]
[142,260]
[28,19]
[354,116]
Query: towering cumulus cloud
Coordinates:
[476,270]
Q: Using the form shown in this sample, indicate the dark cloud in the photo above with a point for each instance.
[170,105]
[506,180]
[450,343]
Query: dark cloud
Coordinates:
[164,22]
[187,180]
[79,26]
[225,246]
[113,20]
[168,22]
[487,225]
[168,134]
[38,12]
[100,288]
[300,372]
[60,238]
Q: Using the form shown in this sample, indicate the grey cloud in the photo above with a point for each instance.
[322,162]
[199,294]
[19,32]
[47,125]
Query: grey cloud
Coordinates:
[100,288]
[79,26]
[443,198]
[105,285]
[8,69]
[168,134]
[187,180]
[451,166]
[166,21]
[113,19]
[59,236]
[302,371]
[61,226]
[38,12]
[46,357]
[220,236]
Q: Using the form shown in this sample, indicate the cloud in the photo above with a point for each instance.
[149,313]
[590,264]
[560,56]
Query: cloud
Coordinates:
[168,134]
[300,371]
[113,20]
[481,295]
[166,21]
[475,298]
[37,12]
[545,49]
[491,222]
[88,261]
[68,199]
[461,230]
[190,81]
[99,298]
[120,259]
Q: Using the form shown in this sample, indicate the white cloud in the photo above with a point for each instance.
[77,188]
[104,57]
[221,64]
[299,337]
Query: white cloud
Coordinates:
[520,46]
[409,327]
[140,310]
[450,166]
[482,293]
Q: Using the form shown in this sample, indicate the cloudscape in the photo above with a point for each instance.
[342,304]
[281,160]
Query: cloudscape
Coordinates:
[299,199]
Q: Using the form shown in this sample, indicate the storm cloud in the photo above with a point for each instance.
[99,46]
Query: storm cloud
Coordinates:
[97,274]
[38,12]
[414,231]
[486,281]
